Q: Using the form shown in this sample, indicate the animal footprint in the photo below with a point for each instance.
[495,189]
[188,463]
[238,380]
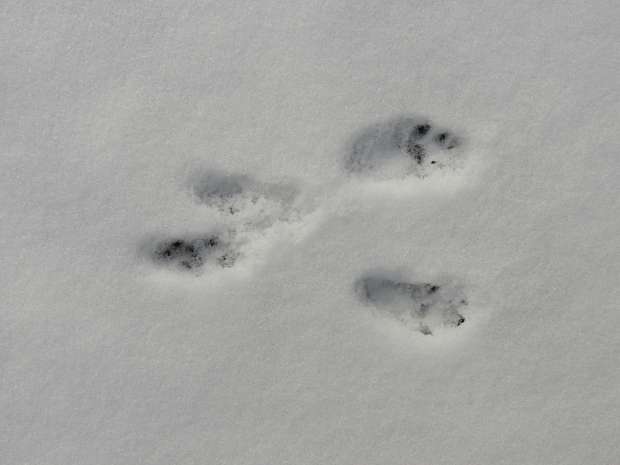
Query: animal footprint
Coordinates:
[401,147]
[244,201]
[423,307]
[195,253]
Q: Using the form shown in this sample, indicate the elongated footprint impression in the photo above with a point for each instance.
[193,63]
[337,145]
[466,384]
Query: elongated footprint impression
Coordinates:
[420,306]
[244,201]
[401,147]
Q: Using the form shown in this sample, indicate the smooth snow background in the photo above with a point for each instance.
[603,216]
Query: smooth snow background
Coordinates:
[108,108]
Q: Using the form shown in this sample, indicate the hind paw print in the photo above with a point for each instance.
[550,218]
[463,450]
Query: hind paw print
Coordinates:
[401,147]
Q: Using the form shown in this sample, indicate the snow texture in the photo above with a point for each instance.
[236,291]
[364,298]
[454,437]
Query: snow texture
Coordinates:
[309,232]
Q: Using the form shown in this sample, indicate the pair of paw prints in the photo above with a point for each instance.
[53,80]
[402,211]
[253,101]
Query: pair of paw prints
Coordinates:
[399,148]
[245,208]
[403,146]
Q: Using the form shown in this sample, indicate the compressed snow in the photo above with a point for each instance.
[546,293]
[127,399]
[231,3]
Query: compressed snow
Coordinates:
[129,127]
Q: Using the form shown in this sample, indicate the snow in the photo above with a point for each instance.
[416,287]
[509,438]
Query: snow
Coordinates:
[115,114]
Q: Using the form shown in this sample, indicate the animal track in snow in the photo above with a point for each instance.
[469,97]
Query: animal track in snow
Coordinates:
[195,253]
[420,306]
[403,146]
[249,214]
[246,202]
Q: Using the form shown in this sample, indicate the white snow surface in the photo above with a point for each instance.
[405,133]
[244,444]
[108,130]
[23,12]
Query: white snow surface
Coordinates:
[110,111]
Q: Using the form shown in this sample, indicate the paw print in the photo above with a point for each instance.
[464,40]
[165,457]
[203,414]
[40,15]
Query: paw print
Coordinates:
[421,306]
[245,202]
[194,253]
[401,147]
